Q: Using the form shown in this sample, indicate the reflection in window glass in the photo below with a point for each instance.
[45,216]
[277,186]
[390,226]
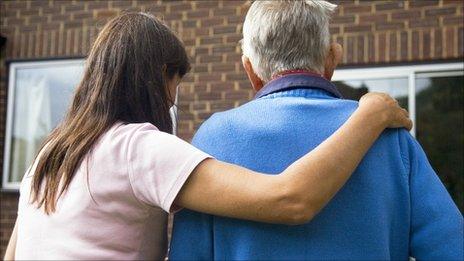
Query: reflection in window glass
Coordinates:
[440,130]
[41,97]
[355,89]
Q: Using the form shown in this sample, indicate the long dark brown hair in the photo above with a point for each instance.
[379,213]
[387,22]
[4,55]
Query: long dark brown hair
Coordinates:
[124,80]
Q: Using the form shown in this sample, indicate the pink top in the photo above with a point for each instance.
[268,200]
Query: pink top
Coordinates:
[135,172]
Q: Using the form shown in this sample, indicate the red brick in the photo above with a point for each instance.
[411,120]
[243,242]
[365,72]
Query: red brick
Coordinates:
[421,3]
[233,38]
[209,96]
[394,5]
[38,20]
[373,18]
[440,11]
[349,49]
[235,19]
[451,2]
[74,8]
[211,40]
[334,30]
[10,14]
[201,31]
[415,45]
[181,6]
[360,49]
[198,14]
[106,14]
[427,42]
[51,26]
[358,28]
[225,29]
[209,77]
[221,106]
[449,40]
[389,26]
[29,28]
[453,21]
[393,47]
[122,3]
[461,42]
[27,12]
[35,4]
[357,9]
[404,45]
[210,22]
[58,17]
[157,9]
[410,14]
[91,5]
[210,58]
[82,15]
[224,11]
[223,49]
[237,95]
[51,10]
[233,57]
[382,47]
[189,23]
[16,4]
[236,77]
[207,4]
[343,19]
[423,23]
[73,24]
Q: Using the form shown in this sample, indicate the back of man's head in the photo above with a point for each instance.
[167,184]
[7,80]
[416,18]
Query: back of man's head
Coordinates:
[287,35]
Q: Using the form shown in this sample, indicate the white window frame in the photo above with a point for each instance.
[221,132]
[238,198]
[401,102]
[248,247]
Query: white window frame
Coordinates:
[13,67]
[403,71]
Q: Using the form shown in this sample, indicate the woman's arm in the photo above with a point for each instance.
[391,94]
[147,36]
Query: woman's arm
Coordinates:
[306,186]
[11,248]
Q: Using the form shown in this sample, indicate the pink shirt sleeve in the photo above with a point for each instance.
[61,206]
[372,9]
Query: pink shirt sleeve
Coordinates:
[159,164]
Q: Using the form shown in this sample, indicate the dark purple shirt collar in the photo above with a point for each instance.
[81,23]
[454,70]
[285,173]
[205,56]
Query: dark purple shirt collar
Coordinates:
[298,81]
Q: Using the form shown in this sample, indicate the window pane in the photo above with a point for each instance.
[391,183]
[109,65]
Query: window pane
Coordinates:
[355,89]
[439,122]
[41,98]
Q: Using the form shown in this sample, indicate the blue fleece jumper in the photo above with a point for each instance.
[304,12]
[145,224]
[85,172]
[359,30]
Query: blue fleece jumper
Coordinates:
[394,205]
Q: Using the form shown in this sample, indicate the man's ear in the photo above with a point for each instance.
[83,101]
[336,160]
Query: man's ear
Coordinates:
[256,82]
[333,58]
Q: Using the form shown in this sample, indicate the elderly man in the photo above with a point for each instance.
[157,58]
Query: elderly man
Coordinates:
[394,206]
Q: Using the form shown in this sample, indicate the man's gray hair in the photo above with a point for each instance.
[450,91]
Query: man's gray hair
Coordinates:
[287,35]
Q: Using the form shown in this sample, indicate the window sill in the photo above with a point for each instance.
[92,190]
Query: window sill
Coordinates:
[9,190]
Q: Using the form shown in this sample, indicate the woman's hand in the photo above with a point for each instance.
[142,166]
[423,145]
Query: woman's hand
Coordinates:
[382,108]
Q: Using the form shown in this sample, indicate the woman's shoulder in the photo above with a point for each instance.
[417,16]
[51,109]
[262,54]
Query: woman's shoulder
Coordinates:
[122,132]
[137,138]
[121,128]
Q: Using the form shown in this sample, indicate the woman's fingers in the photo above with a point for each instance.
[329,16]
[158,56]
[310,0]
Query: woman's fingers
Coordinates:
[405,112]
[403,118]
[388,108]
[406,122]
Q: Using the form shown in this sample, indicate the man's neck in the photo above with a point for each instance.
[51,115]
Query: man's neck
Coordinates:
[297,71]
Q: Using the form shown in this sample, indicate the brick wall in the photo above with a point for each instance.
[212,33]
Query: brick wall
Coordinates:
[371,32]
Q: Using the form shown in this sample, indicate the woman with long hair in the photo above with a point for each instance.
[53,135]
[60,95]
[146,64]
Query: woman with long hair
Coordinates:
[102,184]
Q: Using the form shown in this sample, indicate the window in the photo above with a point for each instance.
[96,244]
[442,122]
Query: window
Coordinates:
[39,94]
[433,94]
